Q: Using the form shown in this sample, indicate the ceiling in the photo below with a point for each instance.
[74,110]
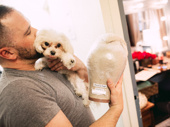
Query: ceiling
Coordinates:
[133,6]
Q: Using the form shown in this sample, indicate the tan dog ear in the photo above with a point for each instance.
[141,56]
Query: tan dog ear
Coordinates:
[8,53]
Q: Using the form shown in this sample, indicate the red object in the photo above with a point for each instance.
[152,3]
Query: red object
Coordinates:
[143,55]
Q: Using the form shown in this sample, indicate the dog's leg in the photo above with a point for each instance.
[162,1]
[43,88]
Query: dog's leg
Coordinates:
[68,60]
[85,94]
[72,77]
[86,100]
[82,89]
[38,47]
[40,63]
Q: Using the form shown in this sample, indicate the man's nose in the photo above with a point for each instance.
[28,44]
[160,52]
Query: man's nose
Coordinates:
[35,31]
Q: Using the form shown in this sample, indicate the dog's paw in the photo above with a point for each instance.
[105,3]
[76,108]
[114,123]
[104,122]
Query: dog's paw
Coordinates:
[39,49]
[78,92]
[71,63]
[86,102]
[68,60]
[38,67]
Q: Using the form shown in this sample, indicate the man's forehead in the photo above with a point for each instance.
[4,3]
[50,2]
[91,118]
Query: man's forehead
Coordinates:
[15,20]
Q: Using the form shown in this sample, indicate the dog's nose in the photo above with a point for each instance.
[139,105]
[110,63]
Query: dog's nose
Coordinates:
[52,52]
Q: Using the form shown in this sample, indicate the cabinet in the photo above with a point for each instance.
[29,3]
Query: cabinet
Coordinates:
[147,115]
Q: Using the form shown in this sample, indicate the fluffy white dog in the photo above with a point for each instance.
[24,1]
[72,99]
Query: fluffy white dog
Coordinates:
[55,45]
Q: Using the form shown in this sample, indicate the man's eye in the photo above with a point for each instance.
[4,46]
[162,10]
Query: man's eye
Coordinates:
[29,32]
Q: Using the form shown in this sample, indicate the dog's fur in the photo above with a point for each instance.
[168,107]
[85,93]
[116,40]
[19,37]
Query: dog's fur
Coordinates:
[55,45]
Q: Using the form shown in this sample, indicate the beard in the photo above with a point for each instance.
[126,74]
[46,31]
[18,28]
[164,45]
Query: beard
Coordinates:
[28,54]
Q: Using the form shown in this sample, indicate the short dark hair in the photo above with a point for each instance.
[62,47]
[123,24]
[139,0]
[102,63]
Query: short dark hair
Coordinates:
[4,40]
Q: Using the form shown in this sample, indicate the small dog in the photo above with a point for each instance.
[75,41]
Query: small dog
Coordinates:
[55,45]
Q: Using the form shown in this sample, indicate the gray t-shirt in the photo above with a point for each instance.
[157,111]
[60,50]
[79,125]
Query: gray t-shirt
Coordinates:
[33,98]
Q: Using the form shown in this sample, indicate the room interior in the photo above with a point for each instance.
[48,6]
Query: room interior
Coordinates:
[149,29]
[83,21]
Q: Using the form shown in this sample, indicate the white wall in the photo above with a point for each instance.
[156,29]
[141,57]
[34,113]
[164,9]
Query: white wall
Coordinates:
[82,21]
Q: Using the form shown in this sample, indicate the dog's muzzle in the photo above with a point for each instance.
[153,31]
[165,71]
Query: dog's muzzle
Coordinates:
[53,53]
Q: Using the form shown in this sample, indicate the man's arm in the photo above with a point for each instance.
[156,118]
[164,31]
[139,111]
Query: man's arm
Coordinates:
[109,119]
[60,120]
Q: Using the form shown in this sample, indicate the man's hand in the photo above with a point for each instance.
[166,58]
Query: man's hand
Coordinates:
[56,65]
[80,68]
[116,94]
[110,118]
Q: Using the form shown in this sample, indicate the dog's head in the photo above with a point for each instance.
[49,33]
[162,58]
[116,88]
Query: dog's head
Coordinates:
[52,44]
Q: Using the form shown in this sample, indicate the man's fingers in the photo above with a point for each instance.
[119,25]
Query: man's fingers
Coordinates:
[110,84]
[53,62]
[58,65]
[119,83]
[61,68]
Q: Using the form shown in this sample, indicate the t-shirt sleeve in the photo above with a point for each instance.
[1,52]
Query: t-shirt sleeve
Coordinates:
[29,105]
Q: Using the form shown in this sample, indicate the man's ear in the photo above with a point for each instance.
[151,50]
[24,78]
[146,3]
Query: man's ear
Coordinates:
[8,53]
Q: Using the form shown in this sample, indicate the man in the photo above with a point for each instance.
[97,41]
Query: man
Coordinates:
[30,98]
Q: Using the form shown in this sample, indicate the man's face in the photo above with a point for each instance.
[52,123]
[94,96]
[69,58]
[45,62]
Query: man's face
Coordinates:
[22,34]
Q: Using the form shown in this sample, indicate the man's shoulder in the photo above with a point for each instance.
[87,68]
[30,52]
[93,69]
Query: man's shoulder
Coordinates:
[42,81]
[17,85]
[11,76]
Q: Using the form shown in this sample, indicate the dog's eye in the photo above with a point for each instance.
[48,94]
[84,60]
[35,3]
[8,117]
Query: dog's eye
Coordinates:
[58,45]
[46,43]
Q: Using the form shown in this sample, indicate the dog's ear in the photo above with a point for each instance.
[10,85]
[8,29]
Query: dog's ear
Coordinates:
[66,44]
[42,32]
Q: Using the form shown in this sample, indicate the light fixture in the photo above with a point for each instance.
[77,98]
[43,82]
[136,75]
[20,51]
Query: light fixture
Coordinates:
[161,2]
[165,38]
[164,1]
[140,5]
[163,18]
